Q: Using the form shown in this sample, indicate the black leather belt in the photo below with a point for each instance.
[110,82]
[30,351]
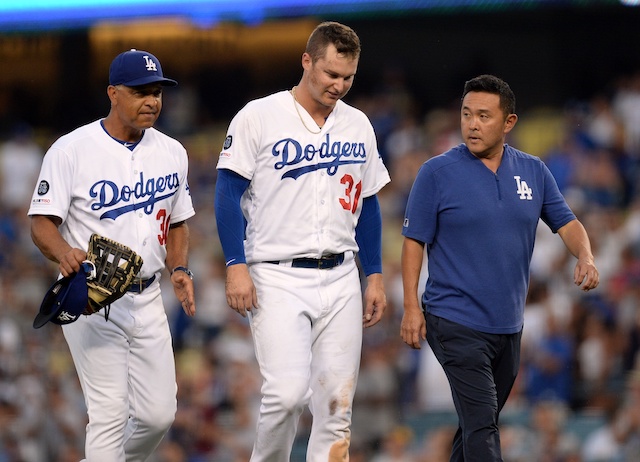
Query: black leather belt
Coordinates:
[326,262]
[140,284]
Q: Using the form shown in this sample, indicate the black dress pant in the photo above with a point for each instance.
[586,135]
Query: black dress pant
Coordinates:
[481,369]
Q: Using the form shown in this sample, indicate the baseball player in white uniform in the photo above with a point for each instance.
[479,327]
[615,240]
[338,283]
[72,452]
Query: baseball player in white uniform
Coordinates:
[303,169]
[121,178]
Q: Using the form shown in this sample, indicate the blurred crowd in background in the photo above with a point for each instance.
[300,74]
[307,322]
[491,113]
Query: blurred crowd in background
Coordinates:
[577,397]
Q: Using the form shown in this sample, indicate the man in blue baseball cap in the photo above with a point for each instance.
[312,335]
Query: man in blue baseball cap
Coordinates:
[121,178]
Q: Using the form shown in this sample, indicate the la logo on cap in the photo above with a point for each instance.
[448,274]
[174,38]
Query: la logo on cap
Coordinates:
[151,65]
[66,317]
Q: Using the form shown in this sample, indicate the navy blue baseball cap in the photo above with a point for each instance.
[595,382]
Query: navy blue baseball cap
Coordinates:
[65,300]
[135,67]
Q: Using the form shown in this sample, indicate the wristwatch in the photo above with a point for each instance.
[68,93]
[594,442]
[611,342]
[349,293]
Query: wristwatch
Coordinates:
[183,268]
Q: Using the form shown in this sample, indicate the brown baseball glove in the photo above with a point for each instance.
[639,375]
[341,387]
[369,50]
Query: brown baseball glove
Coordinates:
[116,266]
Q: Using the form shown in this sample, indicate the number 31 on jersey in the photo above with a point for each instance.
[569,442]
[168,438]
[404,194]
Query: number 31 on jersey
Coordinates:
[351,193]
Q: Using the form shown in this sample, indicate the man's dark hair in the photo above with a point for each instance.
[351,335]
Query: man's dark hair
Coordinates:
[343,37]
[491,84]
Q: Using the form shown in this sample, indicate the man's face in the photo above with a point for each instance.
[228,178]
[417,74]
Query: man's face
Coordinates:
[483,124]
[331,76]
[138,107]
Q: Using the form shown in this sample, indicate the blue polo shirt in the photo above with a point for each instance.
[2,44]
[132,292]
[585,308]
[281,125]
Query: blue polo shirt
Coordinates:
[479,229]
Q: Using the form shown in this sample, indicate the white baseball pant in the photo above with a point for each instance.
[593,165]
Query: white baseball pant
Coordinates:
[307,336]
[127,373]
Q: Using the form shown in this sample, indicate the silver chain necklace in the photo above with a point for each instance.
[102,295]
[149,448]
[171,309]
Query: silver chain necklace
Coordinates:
[295,104]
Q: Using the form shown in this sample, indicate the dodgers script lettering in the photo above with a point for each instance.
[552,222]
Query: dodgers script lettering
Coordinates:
[109,194]
[292,153]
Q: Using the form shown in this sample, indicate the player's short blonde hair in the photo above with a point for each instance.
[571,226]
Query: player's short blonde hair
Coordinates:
[342,37]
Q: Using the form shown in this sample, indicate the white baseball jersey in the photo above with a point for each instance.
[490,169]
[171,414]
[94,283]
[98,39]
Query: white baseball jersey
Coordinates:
[95,184]
[306,189]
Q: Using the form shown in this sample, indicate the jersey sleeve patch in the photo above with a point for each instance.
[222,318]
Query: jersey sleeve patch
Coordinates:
[43,188]
[227,142]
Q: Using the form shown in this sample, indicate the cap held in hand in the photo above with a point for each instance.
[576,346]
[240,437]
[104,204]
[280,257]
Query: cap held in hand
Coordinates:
[65,300]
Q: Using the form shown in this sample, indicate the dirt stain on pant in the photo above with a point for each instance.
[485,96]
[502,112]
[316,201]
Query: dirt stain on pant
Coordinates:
[344,400]
[339,452]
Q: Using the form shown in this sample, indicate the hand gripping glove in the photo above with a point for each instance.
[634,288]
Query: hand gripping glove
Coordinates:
[116,267]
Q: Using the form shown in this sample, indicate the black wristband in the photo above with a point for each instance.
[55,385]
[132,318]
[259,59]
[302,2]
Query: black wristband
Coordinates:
[183,268]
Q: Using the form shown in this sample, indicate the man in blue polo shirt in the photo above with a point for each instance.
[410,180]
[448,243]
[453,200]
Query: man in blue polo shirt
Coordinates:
[476,208]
